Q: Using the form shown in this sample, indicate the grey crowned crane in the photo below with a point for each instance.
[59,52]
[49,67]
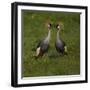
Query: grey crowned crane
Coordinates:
[60,44]
[43,45]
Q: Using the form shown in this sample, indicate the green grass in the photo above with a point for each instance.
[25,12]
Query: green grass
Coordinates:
[34,29]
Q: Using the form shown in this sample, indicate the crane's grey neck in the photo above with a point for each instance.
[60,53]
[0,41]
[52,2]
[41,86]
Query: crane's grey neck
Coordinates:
[58,36]
[47,39]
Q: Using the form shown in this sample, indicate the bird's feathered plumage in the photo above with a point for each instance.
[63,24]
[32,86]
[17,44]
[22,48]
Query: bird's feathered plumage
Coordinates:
[43,45]
[60,44]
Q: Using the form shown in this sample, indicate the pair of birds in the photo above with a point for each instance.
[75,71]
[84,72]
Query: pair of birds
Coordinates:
[43,45]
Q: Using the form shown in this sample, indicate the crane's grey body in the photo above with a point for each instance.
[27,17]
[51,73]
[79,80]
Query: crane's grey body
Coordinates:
[60,44]
[43,45]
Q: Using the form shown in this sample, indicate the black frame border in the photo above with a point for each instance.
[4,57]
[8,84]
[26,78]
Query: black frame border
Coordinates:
[14,43]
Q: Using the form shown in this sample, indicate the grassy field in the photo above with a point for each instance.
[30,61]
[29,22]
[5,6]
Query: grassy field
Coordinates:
[34,30]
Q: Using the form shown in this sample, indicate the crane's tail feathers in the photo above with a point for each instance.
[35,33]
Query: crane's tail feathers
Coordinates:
[65,49]
[37,52]
[36,55]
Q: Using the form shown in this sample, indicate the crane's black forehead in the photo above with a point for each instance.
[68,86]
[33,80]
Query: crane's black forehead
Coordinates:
[57,25]
[53,25]
[50,24]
